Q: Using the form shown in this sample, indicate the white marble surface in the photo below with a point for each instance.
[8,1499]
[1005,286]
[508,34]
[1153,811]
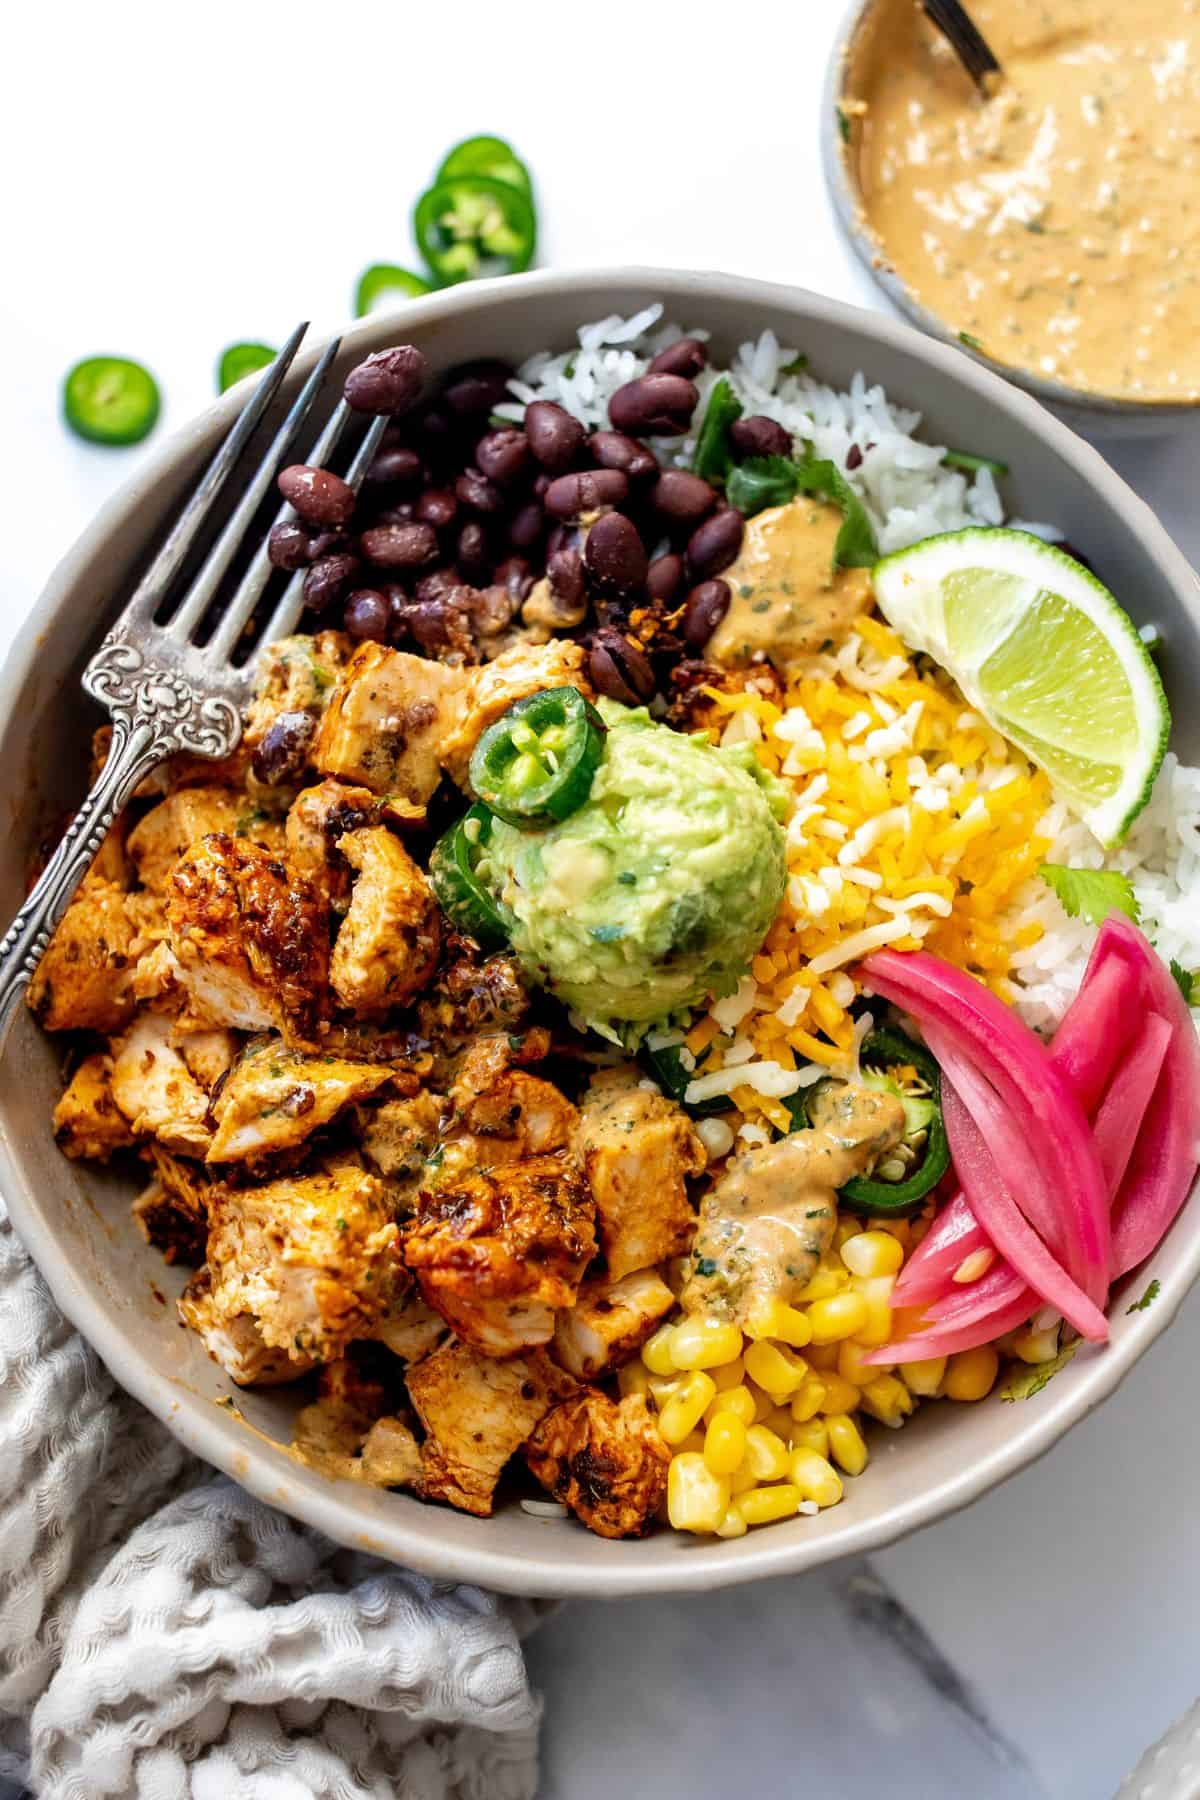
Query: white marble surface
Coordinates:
[176,179]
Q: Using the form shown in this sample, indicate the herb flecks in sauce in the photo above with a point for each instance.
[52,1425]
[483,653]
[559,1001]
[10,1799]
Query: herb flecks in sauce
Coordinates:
[788,597]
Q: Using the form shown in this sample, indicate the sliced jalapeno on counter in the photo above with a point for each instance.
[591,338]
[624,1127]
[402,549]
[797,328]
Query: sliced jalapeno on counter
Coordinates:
[536,764]
[383,284]
[241,360]
[472,225]
[110,400]
[490,156]
[458,889]
[905,1177]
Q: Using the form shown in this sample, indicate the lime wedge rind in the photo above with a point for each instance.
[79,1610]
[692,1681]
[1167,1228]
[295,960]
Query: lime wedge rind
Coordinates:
[1109,683]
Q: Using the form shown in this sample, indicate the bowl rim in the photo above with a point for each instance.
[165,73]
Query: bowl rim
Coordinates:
[847,201]
[331,1506]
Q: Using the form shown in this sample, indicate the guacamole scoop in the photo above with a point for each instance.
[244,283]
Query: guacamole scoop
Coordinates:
[654,893]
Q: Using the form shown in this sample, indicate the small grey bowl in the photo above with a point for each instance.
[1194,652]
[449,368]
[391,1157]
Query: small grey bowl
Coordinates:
[75,1219]
[1095,414]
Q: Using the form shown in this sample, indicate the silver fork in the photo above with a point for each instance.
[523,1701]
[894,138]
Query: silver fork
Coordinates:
[164,692]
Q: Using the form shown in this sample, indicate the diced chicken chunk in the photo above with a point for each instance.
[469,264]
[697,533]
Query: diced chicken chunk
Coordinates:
[83,981]
[496,1254]
[294,674]
[318,817]
[409,1328]
[525,669]
[160,838]
[250,939]
[312,1259]
[477,1413]
[387,947]
[387,721]
[88,1123]
[172,1214]
[155,1090]
[470,994]
[609,1322]
[391,1455]
[605,1460]
[637,1149]
[235,1341]
[501,1114]
[274,1098]
[208,1054]
[398,1135]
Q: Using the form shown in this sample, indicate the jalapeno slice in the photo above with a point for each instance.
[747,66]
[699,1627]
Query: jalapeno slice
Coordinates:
[383,284]
[110,400]
[490,156]
[472,225]
[922,1156]
[536,764]
[241,360]
[458,889]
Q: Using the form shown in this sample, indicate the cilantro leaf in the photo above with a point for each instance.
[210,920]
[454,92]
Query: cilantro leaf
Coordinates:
[1147,1299]
[1090,894]
[714,455]
[1033,1378]
[969,461]
[763,481]
[843,125]
[797,366]
[1187,981]
[970,340]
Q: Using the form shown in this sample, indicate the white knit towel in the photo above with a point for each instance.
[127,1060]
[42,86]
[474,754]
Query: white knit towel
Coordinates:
[165,1636]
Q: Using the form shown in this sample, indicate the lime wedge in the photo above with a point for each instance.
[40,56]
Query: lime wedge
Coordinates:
[1044,652]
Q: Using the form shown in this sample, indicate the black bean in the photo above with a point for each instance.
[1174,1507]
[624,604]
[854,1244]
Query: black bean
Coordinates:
[619,669]
[503,456]
[760,436]
[395,467]
[555,436]
[478,494]
[400,514]
[514,575]
[328,578]
[613,450]
[367,615]
[563,537]
[318,496]
[437,584]
[572,495]
[686,357]
[854,457]
[714,545]
[564,572]
[614,555]
[283,753]
[526,526]
[388,382]
[682,498]
[437,507]
[492,608]
[409,546]
[706,606]
[437,431]
[664,578]
[653,406]
[445,623]
[473,553]
[541,483]
[287,546]
[474,388]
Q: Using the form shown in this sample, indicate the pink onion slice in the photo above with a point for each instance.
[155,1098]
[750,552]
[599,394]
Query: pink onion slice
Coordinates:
[929,1271]
[947,1339]
[1120,1115]
[1097,1025]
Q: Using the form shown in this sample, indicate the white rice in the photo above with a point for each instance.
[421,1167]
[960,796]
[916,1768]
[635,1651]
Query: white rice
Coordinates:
[909,494]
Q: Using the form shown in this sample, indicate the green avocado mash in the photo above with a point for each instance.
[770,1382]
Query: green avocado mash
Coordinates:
[657,891]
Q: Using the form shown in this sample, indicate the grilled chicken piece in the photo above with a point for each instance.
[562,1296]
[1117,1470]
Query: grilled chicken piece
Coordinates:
[172,1214]
[88,1122]
[319,816]
[83,981]
[294,674]
[605,1460]
[410,1329]
[496,1254]
[501,1114]
[470,994]
[274,1098]
[609,1322]
[155,1090]
[477,1413]
[398,1136]
[388,718]
[387,947]
[208,1054]
[250,939]
[236,1342]
[391,1455]
[311,1259]
[637,1149]
[159,839]
[491,690]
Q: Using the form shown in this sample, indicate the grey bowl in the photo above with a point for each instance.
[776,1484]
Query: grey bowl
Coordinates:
[1099,415]
[76,1221]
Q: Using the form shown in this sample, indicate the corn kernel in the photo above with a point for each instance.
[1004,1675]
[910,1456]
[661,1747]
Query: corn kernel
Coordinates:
[900,1229]
[656,1352]
[763,1505]
[728,1375]
[703,1343]
[813,1434]
[742,1480]
[693,1441]
[972,1374]
[924,1378]
[872,1253]
[1036,1346]
[738,1402]
[732,1525]
[841,1316]
[697,1500]
[973,1266]
[685,1408]
[766,1454]
[725,1443]
[764,1403]
[876,1290]
[846,1229]
[851,1363]
[808,1399]
[846,1444]
[633,1378]
[824,1285]
[887,1400]
[776,1319]
[776,1369]
[821,1356]
[815,1477]
[662,1387]
[841,1396]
